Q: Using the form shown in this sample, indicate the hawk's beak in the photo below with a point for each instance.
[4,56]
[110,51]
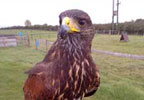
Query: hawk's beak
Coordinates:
[68,26]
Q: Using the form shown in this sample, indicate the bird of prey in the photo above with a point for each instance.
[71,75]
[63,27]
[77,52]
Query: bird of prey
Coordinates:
[68,71]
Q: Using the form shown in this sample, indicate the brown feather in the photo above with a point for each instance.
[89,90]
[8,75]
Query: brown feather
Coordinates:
[34,88]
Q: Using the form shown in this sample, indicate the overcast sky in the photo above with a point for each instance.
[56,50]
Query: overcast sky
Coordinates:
[15,12]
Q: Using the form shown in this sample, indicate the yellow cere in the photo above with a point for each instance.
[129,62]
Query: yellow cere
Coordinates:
[70,23]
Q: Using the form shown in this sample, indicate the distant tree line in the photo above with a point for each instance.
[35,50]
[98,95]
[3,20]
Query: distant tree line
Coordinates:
[35,27]
[131,27]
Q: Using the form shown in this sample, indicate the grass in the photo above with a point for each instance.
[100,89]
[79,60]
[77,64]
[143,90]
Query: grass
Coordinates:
[112,43]
[101,42]
[121,78]
[13,63]
[16,31]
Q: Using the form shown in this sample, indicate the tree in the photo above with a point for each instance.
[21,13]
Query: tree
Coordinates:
[27,23]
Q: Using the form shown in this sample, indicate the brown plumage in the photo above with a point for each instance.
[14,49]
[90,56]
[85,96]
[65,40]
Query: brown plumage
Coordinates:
[68,71]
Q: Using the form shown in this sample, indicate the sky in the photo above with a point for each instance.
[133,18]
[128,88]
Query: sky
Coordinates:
[16,12]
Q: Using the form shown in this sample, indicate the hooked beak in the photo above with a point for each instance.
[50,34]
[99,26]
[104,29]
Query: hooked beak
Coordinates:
[67,27]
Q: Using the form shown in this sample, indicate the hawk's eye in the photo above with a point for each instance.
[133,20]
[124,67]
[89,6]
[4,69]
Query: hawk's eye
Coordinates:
[81,22]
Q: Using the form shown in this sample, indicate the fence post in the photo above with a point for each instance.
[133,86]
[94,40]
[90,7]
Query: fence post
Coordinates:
[36,44]
[31,36]
[28,40]
[46,44]
[4,42]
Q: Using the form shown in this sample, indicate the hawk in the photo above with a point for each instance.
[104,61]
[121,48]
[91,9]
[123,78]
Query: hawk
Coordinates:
[68,71]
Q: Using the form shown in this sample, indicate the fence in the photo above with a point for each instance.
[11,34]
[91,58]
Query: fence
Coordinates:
[42,44]
[42,41]
[48,36]
[22,39]
[13,40]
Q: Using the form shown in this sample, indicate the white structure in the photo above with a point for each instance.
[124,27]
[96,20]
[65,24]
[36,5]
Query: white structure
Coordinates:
[6,42]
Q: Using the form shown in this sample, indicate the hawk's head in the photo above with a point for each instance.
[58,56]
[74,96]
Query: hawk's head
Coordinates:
[75,24]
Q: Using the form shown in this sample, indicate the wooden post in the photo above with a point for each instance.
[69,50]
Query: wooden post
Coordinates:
[46,45]
[28,40]
[31,37]
[36,44]
[4,42]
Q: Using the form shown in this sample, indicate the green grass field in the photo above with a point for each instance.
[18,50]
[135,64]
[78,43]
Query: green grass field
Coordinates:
[101,42]
[121,78]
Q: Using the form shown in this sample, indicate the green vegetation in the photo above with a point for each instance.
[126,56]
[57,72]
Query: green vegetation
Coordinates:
[101,42]
[16,31]
[121,78]
[131,27]
[13,63]
[135,45]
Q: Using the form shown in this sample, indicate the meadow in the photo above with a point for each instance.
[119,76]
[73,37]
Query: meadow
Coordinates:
[121,78]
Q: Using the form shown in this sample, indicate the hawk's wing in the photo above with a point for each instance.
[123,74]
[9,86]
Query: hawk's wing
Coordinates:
[95,86]
[34,88]
[38,84]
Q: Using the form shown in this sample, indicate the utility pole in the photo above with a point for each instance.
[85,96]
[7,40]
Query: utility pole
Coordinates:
[115,13]
[117,26]
[112,30]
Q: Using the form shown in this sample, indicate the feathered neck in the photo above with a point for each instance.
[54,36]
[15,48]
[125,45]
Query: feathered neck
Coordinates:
[73,47]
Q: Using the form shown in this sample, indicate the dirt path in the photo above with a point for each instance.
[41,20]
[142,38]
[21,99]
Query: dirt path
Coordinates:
[119,54]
